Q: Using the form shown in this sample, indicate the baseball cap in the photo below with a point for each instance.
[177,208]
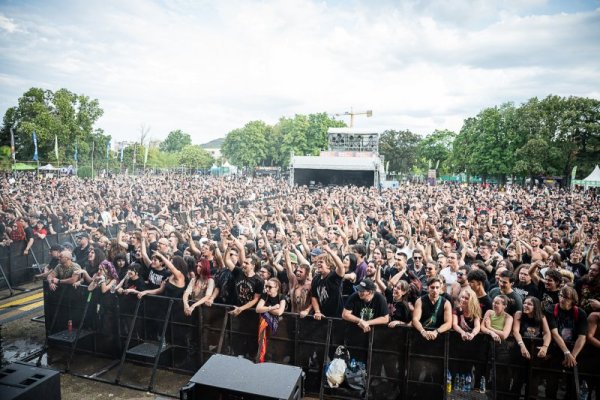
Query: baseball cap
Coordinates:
[365,284]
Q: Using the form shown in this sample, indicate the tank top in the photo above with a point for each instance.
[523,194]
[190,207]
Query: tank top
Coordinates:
[430,318]
[497,321]
[172,290]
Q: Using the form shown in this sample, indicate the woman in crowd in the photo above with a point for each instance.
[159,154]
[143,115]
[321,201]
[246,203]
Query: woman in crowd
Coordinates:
[105,279]
[397,296]
[270,307]
[497,322]
[531,324]
[174,284]
[466,316]
[199,289]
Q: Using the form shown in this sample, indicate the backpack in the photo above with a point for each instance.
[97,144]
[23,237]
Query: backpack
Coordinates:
[575,312]
[18,232]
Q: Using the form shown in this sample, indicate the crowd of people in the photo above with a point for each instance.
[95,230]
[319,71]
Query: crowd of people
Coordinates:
[476,259]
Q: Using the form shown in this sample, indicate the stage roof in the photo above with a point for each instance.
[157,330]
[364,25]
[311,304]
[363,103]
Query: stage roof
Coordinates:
[336,163]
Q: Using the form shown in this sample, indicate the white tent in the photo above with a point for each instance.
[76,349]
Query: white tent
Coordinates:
[592,180]
[48,167]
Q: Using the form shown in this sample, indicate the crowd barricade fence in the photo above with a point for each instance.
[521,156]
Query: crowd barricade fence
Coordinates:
[400,362]
[18,268]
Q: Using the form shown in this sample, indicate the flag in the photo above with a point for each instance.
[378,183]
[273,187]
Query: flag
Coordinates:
[437,164]
[35,149]
[122,147]
[146,154]
[56,147]
[573,173]
[107,149]
[12,144]
[75,153]
[134,153]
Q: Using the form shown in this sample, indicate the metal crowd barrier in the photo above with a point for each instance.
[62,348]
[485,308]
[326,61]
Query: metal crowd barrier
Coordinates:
[17,268]
[155,333]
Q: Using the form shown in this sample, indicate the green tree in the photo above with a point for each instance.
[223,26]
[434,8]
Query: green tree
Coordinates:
[247,146]
[436,148]
[69,116]
[195,157]
[399,149]
[533,158]
[175,141]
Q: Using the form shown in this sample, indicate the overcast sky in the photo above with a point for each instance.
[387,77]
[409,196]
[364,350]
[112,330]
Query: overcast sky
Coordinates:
[208,67]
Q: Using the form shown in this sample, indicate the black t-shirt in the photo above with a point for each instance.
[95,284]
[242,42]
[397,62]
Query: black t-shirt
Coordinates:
[569,323]
[246,287]
[367,310]
[485,302]
[156,277]
[28,233]
[136,284]
[328,292]
[548,299]
[81,255]
[398,310]
[530,289]
[491,276]
[271,301]
[529,328]
[224,282]
[578,269]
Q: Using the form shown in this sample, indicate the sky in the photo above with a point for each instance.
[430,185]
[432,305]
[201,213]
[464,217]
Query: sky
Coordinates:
[208,67]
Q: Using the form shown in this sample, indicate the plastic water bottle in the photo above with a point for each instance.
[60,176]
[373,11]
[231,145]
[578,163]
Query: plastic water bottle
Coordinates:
[449,383]
[583,390]
[353,364]
[462,383]
[482,385]
[468,383]
[456,382]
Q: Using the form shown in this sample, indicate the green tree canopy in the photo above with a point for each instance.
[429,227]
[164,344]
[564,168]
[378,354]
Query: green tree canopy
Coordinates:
[246,147]
[436,148]
[399,149]
[175,141]
[273,145]
[195,157]
[69,116]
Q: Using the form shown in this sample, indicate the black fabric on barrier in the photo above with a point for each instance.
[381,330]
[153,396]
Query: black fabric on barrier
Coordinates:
[18,267]
[394,371]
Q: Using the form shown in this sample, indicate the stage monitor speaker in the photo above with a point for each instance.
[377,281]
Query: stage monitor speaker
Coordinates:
[21,381]
[235,378]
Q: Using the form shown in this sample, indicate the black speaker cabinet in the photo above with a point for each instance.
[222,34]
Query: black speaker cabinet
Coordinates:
[20,381]
[235,378]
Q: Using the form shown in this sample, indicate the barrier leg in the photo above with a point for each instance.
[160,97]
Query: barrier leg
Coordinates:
[52,324]
[5,279]
[78,332]
[131,329]
[161,343]
[222,335]
[369,359]
[325,355]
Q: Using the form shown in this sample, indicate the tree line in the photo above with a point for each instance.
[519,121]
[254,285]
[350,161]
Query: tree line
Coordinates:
[546,137]
[69,119]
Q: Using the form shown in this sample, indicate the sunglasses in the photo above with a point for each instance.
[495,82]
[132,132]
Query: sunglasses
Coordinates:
[417,258]
[270,287]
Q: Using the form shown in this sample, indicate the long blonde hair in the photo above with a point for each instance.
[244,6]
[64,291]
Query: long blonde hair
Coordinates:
[473,308]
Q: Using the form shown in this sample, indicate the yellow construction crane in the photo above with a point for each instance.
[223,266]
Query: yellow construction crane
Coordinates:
[351,113]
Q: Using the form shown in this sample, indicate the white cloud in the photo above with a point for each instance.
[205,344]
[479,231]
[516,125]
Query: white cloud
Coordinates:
[7,24]
[210,67]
